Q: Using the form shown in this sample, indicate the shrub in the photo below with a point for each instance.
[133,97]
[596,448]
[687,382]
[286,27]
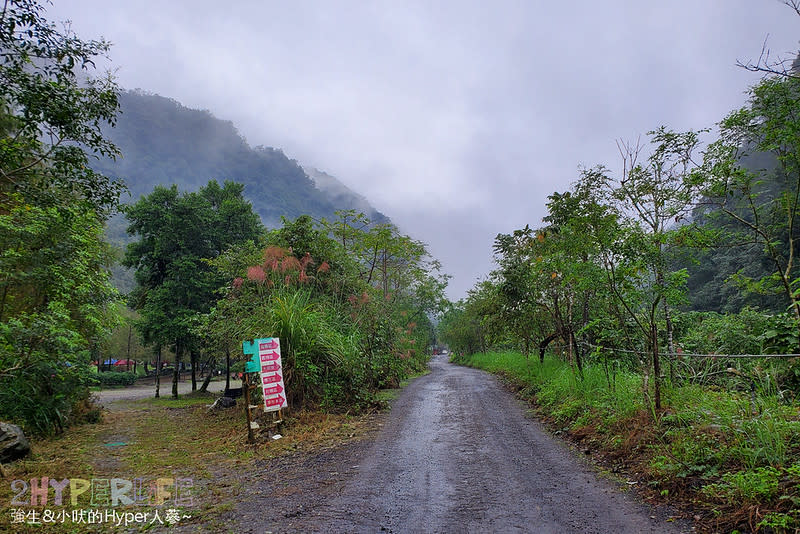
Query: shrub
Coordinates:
[112,378]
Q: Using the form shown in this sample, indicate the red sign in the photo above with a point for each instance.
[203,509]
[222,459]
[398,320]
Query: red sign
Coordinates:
[272,379]
[275,401]
[273,390]
[270,356]
[270,367]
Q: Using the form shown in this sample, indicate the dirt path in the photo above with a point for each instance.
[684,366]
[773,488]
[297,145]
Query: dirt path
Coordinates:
[456,454]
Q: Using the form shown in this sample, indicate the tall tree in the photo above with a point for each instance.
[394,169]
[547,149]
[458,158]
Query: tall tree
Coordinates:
[762,201]
[54,286]
[657,192]
[178,233]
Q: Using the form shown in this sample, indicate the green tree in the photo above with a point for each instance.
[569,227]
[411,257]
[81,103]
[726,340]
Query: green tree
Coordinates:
[520,297]
[762,203]
[178,233]
[655,192]
[55,295]
[50,117]
[343,332]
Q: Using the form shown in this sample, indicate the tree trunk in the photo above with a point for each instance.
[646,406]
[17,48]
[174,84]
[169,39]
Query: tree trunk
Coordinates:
[656,367]
[543,345]
[193,361]
[668,318]
[227,368]
[128,350]
[176,372]
[670,342]
[158,370]
[204,387]
[577,350]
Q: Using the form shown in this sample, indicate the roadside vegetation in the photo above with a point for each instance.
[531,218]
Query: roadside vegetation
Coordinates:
[655,315]
[726,462]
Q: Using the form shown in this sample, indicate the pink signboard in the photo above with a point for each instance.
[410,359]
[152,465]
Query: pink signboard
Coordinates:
[269,354]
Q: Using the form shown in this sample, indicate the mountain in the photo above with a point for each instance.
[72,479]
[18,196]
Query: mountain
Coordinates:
[163,142]
[341,195]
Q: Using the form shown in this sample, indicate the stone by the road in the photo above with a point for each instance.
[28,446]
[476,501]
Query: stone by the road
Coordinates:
[13,443]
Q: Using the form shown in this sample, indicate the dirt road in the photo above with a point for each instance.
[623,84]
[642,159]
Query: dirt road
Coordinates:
[456,454]
[108,397]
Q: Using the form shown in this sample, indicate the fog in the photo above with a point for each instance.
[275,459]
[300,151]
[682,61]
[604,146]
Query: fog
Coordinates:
[454,118]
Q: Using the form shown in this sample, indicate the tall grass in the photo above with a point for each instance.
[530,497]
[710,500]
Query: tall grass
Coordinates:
[559,390]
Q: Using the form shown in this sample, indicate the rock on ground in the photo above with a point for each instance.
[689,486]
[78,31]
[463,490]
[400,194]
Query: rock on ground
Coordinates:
[13,443]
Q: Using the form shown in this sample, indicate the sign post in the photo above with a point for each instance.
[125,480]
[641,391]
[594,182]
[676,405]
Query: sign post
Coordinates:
[269,355]
[266,360]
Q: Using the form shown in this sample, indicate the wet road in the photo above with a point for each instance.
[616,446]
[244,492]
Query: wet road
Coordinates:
[457,454]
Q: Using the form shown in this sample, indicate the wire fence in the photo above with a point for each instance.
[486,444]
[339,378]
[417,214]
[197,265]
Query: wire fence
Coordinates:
[691,354]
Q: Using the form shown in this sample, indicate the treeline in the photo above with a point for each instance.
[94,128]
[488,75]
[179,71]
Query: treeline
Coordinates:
[349,299]
[605,281]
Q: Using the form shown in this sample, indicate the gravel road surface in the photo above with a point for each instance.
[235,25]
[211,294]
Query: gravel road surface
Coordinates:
[456,454]
[108,397]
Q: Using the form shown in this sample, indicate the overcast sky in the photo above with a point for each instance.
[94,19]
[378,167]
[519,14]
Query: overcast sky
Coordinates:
[455,118]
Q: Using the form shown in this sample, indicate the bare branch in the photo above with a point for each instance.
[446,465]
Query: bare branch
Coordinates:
[784,67]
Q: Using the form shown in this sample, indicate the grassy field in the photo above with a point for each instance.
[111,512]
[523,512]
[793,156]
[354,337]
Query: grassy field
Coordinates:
[159,439]
[730,463]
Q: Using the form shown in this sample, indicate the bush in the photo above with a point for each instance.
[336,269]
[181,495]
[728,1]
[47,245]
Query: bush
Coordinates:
[112,378]
[41,396]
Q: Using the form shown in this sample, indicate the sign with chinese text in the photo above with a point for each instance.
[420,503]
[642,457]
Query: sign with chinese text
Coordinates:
[267,352]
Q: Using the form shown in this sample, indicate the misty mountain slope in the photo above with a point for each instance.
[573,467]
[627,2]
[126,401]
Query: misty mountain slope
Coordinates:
[341,195]
[164,142]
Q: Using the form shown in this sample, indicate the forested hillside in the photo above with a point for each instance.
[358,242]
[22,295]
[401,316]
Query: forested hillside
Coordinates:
[163,142]
[718,275]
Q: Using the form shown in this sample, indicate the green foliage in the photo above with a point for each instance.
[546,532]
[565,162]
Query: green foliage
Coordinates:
[113,378]
[41,97]
[178,235]
[750,180]
[44,393]
[125,343]
[349,322]
[714,333]
[749,486]
[56,303]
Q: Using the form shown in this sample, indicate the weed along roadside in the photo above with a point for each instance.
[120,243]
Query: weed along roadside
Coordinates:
[707,453]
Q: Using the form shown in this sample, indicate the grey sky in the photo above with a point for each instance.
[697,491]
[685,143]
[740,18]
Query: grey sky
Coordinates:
[455,118]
